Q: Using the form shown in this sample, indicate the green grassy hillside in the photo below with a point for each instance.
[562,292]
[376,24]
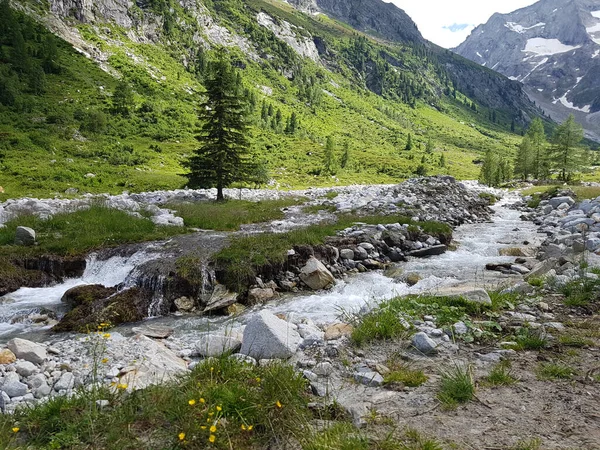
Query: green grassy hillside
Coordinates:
[59,128]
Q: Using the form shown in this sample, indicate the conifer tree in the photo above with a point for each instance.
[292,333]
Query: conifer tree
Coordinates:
[524,160]
[430,146]
[409,144]
[345,156]
[564,154]
[329,156]
[122,99]
[538,151]
[223,157]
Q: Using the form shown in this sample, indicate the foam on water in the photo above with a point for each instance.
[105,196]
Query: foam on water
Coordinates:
[26,301]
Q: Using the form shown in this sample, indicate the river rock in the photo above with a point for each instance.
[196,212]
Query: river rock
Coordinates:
[347,253]
[217,344]
[159,366]
[13,387]
[7,357]
[315,275]
[542,268]
[424,343]
[184,304]
[266,337]
[473,295]
[557,201]
[428,251]
[338,330]
[65,382]
[24,236]
[25,368]
[154,331]
[260,295]
[221,298]
[27,350]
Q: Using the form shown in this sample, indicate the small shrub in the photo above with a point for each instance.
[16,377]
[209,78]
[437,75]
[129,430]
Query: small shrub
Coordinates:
[536,282]
[554,371]
[501,374]
[456,387]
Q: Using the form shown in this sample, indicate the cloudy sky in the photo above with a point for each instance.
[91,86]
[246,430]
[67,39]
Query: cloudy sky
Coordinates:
[449,22]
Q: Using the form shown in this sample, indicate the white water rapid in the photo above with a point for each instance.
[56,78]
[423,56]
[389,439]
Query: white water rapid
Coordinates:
[16,306]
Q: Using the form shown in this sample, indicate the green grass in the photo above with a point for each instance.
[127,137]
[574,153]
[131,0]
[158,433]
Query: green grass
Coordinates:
[529,444]
[501,375]
[574,340]
[456,387]
[247,256]
[581,292]
[401,372]
[554,371]
[82,231]
[582,192]
[272,400]
[314,209]
[530,339]
[229,215]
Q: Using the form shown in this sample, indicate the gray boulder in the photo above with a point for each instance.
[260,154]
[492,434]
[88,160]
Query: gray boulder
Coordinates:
[346,253]
[24,236]
[372,379]
[27,350]
[542,268]
[557,201]
[12,385]
[25,368]
[266,337]
[65,382]
[424,343]
[217,344]
[315,275]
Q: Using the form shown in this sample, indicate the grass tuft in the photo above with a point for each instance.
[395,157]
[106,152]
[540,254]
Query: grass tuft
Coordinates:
[530,339]
[554,371]
[456,386]
[501,374]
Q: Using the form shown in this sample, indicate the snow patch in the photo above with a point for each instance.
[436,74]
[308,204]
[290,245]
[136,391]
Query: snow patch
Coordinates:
[542,47]
[596,53]
[542,62]
[512,26]
[563,100]
[479,54]
[596,14]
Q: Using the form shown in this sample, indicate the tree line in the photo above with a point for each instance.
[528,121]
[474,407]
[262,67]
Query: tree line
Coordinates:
[537,158]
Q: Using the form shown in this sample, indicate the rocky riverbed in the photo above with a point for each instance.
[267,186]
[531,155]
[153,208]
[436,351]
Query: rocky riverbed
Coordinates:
[304,330]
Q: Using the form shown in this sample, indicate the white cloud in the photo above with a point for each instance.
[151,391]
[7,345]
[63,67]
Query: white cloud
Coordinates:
[435,17]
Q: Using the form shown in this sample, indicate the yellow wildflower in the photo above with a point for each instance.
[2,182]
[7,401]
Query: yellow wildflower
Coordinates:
[219,408]
[202,400]
[122,386]
[192,402]
[181,436]
[212,368]
[212,429]
[211,438]
[258,379]
[104,360]
[278,404]
[203,427]
[106,335]
[243,427]
[250,427]
[16,429]
[211,413]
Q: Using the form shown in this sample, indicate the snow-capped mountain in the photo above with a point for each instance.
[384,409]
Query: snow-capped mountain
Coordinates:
[553,48]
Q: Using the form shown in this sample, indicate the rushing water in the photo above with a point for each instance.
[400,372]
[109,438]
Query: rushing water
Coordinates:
[478,244]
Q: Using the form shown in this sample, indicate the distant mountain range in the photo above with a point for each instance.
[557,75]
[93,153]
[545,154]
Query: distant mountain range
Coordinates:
[553,48]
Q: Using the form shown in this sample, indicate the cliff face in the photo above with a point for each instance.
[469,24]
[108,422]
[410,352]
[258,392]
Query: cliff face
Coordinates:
[553,48]
[371,16]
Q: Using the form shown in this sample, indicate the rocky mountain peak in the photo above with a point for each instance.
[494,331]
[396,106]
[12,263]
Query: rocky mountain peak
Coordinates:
[553,48]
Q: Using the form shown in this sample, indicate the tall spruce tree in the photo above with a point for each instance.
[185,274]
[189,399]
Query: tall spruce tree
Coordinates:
[329,156]
[564,154]
[409,144]
[223,157]
[524,160]
[538,149]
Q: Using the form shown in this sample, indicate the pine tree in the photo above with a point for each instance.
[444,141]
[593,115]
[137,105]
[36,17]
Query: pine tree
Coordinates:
[409,144]
[430,146]
[223,157]
[122,99]
[537,141]
[442,160]
[50,61]
[524,160]
[37,80]
[345,159]
[19,57]
[565,155]
[292,124]
[329,156]
[488,169]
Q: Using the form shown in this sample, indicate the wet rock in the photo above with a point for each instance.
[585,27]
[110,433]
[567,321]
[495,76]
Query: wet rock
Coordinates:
[27,350]
[154,331]
[221,298]
[424,344]
[411,278]
[315,275]
[260,295]
[184,304]
[267,336]
[24,236]
[217,344]
[428,251]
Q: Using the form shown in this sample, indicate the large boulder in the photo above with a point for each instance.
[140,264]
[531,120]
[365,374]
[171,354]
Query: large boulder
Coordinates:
[220,299]
[542,268]
[217,344]
[267,337]
[428,251]
[27,350]
[315,275]
[557,201]
[24,236]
